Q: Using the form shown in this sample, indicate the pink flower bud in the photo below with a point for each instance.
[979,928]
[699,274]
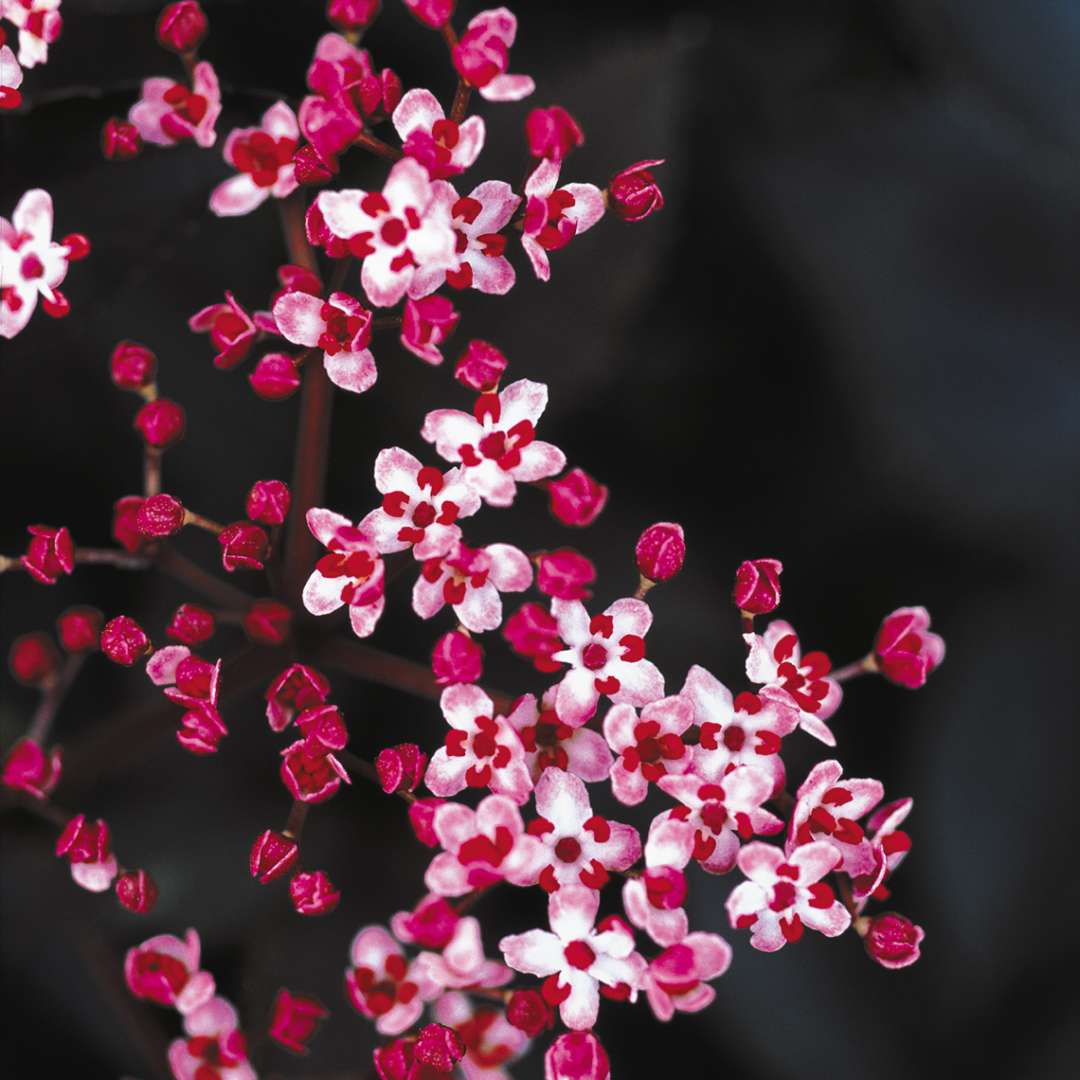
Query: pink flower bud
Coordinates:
[33,658]
[430,926]
[268,502]
[191,625]
[552,133]
[120,140]
[633,193]
[201,729]
[352,14]
[160,516]
[298,687]
[83,841]
[310,169]
[243,546]
[124,641]
[905,650]
[533,632]
[433,13]
[50,553]
[125,530]
[400,768]
[313,893]
[439,1047]
[480,366]
[136,890]
[132,366]
[660,551]
[757,586]
[529,1012]
[576,498]
[426,324]
[576,1055]
[267,622]
[79,629]
[272,855]
[893,940]
[422,820]
[160,422]
[565,574]
[275,377]
[295,1019]
[181,27]
[27,768]
[457,658]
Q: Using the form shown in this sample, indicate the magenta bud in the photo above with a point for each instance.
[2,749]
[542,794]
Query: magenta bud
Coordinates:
[552,133]
[576,1055]
[313,893]
[401,767]
[905,649]
[79,629]
[160,422]
[136,890]
[33,658]
[295,1019]
[426,324]
[120,140]
[457,658]
[565,574]
[191,625]
[49,554]
[433,13]
[633,194]
[660,551]
[160,516]
[272,855]
[132,366]
[757,586]
[422,820]
[243,546]
[893,940]
[267,622]
[439,1047]
[181,27]
[124,641]
[533,632]
[480,366]
[275,377]
[309,168]
[83,841]
[125,530]
[529,1012]
[29,769]
[352,14]
[268,502]
[576,498]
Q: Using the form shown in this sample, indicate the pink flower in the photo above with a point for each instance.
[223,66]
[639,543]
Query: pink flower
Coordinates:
[442,146]
[39,24]
[555,215]
[481,847]
[576,1055]
[340,326]
[552,133]
[214,1045]
[746,731]
[430,925]
[480,366]
[482,56]
[782,896]
[165,970]
[263,157]
[27,768]
[482,749]
[461,962]
[50,553]
[295,1020]
[181,26]
[551,744]
[905,650]
[576,498]
[382,985]
[757,586]
[230,328]
[426,324]
[432,13]
[11,78]
[456,658]
[397,232]
[676,979]
[32,264]
[298,687]
[168,112]
[890,845]
[470,580]
[606,654]
[86,846]
[893,940]
[497,445]
[775,660]
[533,632]
[574,958]
[313,893]
[490,1040]
[633,193]
[352,14]
[564,574]
[827,810]
[654,901]
[581,847]
[351,573]
[477,221]
[648,748]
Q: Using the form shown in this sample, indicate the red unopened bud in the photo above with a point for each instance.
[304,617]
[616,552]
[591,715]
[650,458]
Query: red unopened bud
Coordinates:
[295,1020]
[181,27]
[433,13]
[426,324]
[79,628]
[191,625]
[132,366]
[161,423]
[893,940]
[633,194]
[439,1047]
[480,366]
[33,658]
[310,169]
[396,1061]
[757,586]
[135,889]
[457,658]
[201,730]
[392,90]
[83,841]
[576,498]
[422,820]
[660,551]
[50,553]
[267,622]
[125,529]
[124,641]
[272,855]
[160,516]
[243,546]
[564,574]
[905,649]
[268,502]
[313,893]
[352,14]
[120,140]
[400,768]
[533,632]
[529,1012]
[552,133]
[29,769]
[275,377]
[298,687]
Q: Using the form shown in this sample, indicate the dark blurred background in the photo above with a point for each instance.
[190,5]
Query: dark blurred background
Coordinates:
[850,341]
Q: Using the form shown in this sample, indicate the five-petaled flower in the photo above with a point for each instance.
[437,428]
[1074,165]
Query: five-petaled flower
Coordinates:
[551,744]
[263,157]
[39,23]
[231,330]
[555,215]
[461,962]
[169,112]
[648,747]
[383,985]
[444,147]
[677,979]
[654,901]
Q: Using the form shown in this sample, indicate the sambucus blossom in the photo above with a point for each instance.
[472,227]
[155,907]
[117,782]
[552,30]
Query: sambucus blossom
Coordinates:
[169,112]
[263,157]
[555,215]
[442,146]
[383,985]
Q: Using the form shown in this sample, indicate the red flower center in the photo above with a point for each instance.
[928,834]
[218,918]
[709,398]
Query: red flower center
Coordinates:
[261,155]
[568,849]
[594,656]
[579,955]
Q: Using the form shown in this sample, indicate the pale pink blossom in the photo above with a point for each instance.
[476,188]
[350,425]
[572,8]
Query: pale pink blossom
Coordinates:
[442,146]
[350,573]
[330,119]
[551,744]
[482,56]
[169,112]
[574,958]
[555,215]
[654,901]
[11,78]
[263,158]
[497,445]
[649,747]
[905,650]
[490,1039]
[165,969]
[890,845]
[214,1045]
[677,979]
[482,749]
[461,962]
[383,985]
[39,24]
